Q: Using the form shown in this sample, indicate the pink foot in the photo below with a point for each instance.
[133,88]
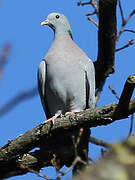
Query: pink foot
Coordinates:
[52,119]
[73,111]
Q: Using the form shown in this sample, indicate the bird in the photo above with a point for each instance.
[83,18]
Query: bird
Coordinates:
[66,75]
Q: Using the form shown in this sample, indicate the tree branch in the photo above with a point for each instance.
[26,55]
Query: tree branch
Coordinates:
[106,43]
[3,57]
[126,95]
[47,136]
[130,43]
[46,133]
[17,99]
[106,40]
[99,142]
[124,21]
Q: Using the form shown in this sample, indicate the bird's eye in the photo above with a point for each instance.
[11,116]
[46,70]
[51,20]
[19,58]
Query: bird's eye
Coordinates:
[57,16]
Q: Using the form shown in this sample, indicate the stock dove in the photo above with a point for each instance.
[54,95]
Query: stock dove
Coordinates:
[66,76]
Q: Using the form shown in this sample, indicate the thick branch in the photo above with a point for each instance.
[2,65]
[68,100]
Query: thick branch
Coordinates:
[106,40]
[35,160]
[46,133]
[91,118]
[127,93]
[126,96]
[47,136]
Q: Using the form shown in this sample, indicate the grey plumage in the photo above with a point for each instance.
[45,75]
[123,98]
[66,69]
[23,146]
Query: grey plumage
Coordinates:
[66,77]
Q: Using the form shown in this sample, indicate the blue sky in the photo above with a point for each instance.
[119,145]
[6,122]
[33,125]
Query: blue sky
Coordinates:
[20,27]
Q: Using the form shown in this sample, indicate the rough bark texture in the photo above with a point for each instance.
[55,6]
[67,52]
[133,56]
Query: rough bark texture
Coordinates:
[106,40]
[15,152]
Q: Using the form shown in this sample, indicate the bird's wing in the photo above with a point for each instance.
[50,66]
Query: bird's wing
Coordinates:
[42,86]
[41,81]
[90,85]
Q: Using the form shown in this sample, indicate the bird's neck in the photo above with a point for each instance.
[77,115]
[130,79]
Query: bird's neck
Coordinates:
[58,34]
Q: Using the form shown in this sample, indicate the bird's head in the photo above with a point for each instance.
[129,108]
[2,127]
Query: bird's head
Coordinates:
[59,23]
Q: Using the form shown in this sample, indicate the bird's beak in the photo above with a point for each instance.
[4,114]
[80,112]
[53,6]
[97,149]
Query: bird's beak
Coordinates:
[46,22]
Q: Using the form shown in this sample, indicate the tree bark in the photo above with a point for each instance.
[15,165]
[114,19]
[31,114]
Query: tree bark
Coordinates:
[14,153]
[106,40]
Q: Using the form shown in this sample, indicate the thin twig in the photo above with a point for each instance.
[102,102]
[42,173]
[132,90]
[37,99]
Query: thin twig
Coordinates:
[77,141]
[124,22]
[121,11]
[5,53]
[77,159]
[99,142]
[79,136]
[17,99]
[3,58]
[80,3]
[129,30]
[38,174]
[131,125]
[95,6]
[130,43]
[90,14]
[130,15]
[98,92]
[92,20]
[75,146]
[93,3]
[114,92]
[22,166]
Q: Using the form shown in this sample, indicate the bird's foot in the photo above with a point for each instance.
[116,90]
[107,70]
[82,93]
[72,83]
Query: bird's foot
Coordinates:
[52,119]
[69,113]
[72,112]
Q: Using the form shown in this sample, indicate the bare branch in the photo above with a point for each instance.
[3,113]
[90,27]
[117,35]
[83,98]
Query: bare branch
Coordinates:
[126,94]
[131,42]
[132,83]
[124,22]
[90,14]
[121,11]
[3,58]
[128,30]
[106,41]
[45,133]
[34,171]
[93,3]
[17,99]
[99,91]
[131,125]
[114,92]
[77,159]
[80,3]
[92,20]
[99,142]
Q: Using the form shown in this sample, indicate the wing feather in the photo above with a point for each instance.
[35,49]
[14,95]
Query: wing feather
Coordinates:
[90,84]
[42,86]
